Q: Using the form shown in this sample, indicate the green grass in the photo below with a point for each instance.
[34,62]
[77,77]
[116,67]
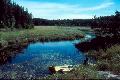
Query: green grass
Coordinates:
[43,33]
[109,59]
[79,72]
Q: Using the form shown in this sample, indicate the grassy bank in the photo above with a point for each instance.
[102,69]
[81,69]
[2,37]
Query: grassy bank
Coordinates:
[40,33]
[108,60]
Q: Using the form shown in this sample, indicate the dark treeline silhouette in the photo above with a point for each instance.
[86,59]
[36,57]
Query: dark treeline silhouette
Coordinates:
[65,22]
[14,16]
[107,25]
[107,30]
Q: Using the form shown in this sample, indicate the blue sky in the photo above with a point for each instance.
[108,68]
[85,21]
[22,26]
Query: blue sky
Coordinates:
[70,9]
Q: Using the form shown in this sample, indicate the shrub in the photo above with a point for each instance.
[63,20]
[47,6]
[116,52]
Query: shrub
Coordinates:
[102,65]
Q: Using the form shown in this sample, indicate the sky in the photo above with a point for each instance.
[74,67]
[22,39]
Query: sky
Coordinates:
[70,9]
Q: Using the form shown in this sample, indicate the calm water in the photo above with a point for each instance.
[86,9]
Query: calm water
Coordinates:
[34,60]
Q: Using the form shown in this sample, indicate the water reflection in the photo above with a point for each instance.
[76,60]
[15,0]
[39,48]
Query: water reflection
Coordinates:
[62,52]
[9,53]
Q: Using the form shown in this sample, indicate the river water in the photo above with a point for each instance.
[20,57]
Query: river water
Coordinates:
[34,60]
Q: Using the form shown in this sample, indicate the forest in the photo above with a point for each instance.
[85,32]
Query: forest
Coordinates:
[14,16]
[65,22]
[108,24]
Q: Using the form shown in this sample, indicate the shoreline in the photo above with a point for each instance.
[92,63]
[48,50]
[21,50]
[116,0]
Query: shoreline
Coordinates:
[13,48]
[26,42]
[41,34]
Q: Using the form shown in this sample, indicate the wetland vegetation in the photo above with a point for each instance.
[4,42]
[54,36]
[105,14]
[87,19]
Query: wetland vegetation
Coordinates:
[29,46]
[41,33]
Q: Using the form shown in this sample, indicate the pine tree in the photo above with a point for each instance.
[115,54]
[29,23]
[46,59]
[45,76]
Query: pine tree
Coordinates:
[14,16]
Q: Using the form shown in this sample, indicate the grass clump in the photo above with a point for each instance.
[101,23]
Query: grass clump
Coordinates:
[109,59]
[86,72]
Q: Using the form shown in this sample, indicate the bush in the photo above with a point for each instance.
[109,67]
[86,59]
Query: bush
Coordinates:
[102,65]
[115,68]
[108,59]
[87,72]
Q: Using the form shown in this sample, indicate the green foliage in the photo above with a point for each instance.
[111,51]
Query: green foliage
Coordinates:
[107,25]
[41,33]
[14,16]
[87,72]
[108,59]
[65,22]
[102,65]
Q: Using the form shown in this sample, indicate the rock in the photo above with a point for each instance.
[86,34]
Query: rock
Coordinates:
[61,69]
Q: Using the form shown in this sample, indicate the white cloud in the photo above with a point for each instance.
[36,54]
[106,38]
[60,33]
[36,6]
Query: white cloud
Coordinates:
[101,6]
[61,11]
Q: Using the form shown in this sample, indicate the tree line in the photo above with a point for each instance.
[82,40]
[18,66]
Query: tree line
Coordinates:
[65,22]
[107,25]
[103,25]
[14,16]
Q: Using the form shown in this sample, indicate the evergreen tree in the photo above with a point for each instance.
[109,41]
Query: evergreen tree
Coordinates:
[108,24]
[14,16]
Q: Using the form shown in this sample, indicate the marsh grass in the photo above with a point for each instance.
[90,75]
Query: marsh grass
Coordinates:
[109,59]
[42,33]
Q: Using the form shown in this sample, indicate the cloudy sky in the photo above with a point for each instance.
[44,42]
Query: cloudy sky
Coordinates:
[70,9]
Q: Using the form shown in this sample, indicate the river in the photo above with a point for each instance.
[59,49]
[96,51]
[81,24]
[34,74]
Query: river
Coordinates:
[34,60]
